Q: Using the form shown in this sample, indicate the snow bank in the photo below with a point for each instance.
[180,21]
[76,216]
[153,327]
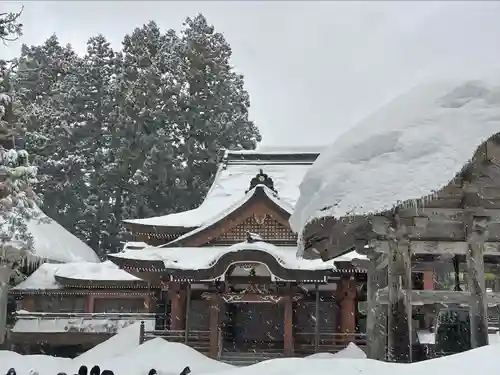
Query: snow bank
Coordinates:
[407,150]
[352,351]
[123,342]
[171,358]
[44,364]
[165,357]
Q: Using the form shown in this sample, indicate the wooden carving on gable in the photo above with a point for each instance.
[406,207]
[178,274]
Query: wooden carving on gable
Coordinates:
[262,179]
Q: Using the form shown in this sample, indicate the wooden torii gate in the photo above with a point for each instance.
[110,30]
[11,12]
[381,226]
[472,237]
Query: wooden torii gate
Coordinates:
[461,221]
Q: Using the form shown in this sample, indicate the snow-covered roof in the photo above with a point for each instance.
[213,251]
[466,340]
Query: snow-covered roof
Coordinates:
[408,150]
[232,180]
[45,276]
[271,195]
[193,258]
[54,243]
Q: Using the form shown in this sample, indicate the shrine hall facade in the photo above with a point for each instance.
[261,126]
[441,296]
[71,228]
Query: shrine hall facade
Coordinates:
[227,273]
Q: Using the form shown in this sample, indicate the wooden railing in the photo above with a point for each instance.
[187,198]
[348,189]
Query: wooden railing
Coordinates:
[69,315]
[199,340]
[305,342]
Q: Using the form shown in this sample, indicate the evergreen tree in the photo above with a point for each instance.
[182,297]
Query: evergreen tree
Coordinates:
[214,104]
[18,202]
[130,134]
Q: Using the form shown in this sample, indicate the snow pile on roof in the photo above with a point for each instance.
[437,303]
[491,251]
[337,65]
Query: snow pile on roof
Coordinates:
[352,351]
[44,276]
[231,183]
[407,150]
[240,202]
[193,258]
[105,271]
[88,324]
[54,243]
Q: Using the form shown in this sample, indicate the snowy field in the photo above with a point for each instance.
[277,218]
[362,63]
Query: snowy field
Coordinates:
[124,356]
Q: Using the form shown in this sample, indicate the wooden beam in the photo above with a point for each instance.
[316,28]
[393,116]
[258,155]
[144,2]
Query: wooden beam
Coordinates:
[376,313]
[400,307]
[449,214]
[438,247]
[475,228]
[429,297]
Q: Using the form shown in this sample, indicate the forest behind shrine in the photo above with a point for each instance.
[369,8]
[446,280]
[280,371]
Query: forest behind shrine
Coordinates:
[135,132]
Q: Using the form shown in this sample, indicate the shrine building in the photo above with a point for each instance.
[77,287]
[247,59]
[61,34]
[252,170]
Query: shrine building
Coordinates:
[228,274]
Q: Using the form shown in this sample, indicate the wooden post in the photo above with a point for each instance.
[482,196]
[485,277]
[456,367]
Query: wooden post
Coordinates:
[188,309]
[177,307]
[141,333]
[400,288]
[288,325]
[376,313]
[316,323]
[214,325]
[476,229]
[346,295]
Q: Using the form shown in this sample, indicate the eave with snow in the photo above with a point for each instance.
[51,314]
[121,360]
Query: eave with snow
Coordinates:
[415,184]
[78,305]
[51,243]
[230,186]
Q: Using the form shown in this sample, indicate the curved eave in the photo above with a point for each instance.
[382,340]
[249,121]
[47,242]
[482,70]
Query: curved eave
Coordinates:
[100,284]
[138,264]
[218,269]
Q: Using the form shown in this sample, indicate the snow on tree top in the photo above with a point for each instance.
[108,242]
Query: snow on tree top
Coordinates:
[286,169]
[405,151]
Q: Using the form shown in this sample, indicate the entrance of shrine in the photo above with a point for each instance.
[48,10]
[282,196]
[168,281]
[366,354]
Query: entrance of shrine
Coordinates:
[255,325]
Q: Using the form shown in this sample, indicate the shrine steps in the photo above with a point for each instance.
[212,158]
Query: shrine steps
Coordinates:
[250,357]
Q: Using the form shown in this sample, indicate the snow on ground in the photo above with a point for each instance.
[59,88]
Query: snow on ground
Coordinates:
[352,351]
[124,356]
[124,341]
[408,149]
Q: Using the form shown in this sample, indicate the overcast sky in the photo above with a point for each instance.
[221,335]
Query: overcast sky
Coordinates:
[313,69]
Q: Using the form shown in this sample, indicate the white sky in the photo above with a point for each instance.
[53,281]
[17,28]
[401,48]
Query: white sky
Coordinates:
[313,69]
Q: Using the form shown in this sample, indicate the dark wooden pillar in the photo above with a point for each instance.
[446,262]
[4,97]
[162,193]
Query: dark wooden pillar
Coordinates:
[188,310]
[288,326]
[476,236]
[177,298]
[376,314]
[346,295]
[400,290]
[316,322]
[214,325]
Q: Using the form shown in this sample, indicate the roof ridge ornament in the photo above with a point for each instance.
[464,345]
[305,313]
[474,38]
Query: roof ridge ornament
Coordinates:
[261,179]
